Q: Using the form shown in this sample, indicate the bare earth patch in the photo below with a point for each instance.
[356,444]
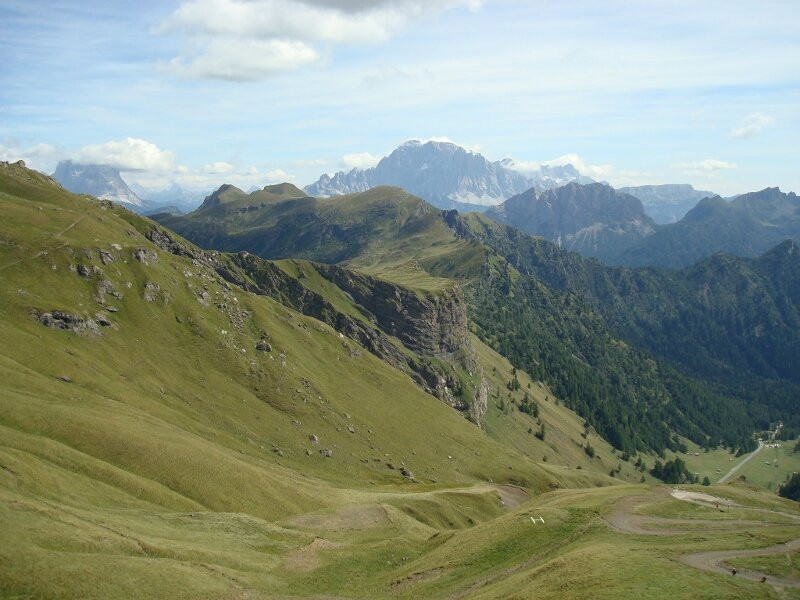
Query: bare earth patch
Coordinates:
[353,516]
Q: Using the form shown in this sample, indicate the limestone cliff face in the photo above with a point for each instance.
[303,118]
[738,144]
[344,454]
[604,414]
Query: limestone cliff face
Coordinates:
[432,325]
[427,323]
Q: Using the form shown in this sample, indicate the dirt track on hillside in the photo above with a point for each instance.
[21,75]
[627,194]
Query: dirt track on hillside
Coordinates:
[624,520]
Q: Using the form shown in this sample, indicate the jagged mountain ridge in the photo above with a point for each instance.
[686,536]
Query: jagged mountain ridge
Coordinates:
[395,236]
[592,219]
[444,174]
[173,196]
[667,203]
[748,225]
[101,181]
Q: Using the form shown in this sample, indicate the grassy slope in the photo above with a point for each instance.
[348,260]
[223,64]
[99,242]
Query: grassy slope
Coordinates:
[163,416]
[384,232]
[153,474]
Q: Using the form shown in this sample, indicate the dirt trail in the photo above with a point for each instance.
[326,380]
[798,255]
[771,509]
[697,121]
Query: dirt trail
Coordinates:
[624,520]
[739,465]
[713,561]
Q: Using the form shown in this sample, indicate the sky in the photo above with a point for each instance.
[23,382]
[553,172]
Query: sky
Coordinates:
[253,92]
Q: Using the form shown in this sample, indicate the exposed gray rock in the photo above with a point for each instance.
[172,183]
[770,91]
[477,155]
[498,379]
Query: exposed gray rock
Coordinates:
[106,257]
[145,256]
[480,403]
[104,287]
[101,181]
[151,291]
[102,320]
[326,452]
[87,271]
[406,473]
[264,346]
[314,439]
[446,175]
[64,378]
[594,220]
[67,321]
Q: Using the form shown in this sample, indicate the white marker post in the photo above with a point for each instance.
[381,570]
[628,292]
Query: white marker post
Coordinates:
[540,518]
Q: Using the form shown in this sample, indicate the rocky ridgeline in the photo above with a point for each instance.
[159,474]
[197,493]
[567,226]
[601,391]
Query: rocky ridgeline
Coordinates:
[432,325]
[429,324]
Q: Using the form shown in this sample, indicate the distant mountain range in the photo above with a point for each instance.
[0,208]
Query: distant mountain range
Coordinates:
[596,220]
[106,182]
[593,220]
[446,175]
[667,203]
[173,199]
[97,180]
[748,225]
[640,353]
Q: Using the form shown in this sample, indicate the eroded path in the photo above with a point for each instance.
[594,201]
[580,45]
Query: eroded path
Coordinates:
[625,520]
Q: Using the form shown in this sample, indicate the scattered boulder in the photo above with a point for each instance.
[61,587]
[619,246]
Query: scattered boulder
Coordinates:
[277,451]
[406,473]
[351,429]
[202,297]
[151,291]
[102,320]
[145,256]
[264,346]
[314,439]
[85,271]
[106,257]
[64,378]
[116,247]
[326,452]
[107,287]
[58,319]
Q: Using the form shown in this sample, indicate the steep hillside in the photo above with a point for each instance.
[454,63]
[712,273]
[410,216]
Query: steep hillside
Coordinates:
[639,353]
[593,219]
[748,225]
[175,424]
[725,323]
[381,231]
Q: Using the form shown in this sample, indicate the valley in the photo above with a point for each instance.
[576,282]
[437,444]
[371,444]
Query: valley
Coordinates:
[179,422]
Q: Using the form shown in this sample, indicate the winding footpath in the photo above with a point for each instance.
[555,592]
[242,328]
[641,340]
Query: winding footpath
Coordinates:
[625,520]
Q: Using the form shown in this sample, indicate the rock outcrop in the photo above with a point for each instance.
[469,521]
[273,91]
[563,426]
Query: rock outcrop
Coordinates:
[432,325]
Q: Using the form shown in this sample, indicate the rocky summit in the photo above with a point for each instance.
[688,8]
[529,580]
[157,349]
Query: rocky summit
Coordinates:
[97,180]
[446,175]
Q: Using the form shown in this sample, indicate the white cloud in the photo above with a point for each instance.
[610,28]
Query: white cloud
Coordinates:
[751,125]
[37,156]
[243,60]
[704,168]
[362,160]
[613,175]
[277,176]
[245,40]
[209,177]
[599,172]
[130,154]
[217,167]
